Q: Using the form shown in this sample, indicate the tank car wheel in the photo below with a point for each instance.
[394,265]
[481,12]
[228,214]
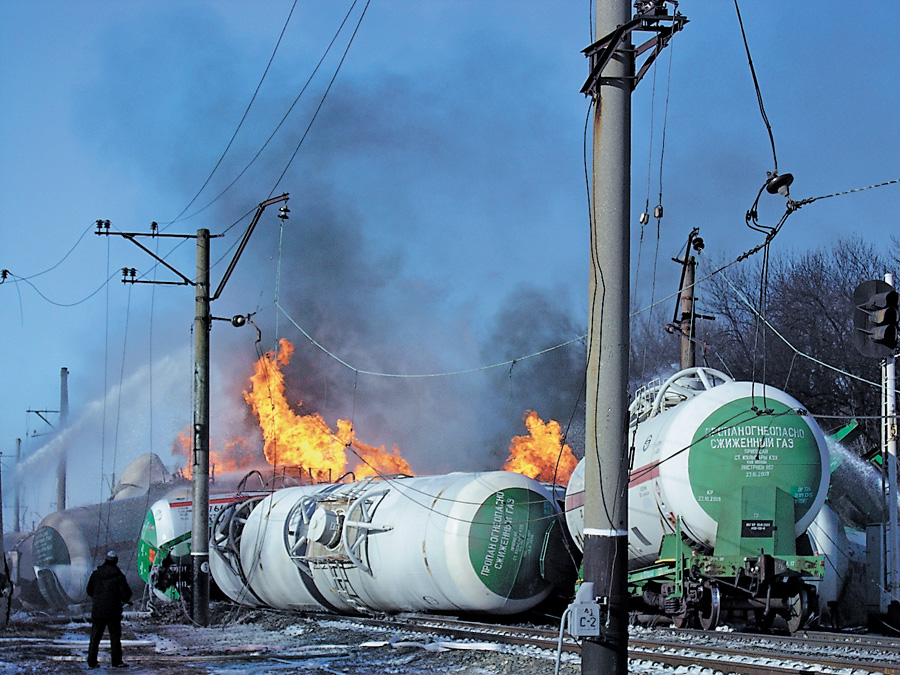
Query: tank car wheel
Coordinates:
[798,611]
[710,606]
[683,620]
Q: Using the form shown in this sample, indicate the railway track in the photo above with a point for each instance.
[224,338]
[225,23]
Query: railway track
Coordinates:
[738,653]
[722,652]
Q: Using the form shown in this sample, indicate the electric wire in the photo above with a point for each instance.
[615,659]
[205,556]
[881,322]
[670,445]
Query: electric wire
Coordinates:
[646,212]
[658,211]
[787,342]
[100,499]
[115,453]
[150,398]
[762,108]
[810,200]
[509,362]
[591,23]
[103,285]
[324,96]
[240,123]
[278,273]
[758,332]
[466,371]
[285,116]
[61,260]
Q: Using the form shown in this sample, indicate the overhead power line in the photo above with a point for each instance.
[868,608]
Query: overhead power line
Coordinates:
[285,116]
[762,107]
[243,118]
[419,375]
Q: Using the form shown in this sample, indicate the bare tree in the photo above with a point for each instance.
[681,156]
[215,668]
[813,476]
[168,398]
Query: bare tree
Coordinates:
[790,325]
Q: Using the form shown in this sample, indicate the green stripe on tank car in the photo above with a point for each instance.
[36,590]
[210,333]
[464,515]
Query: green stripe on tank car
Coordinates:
[735,446]
[147,545]
[505,542]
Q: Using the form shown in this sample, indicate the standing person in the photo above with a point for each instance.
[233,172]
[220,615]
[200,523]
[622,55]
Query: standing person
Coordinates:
[110,592]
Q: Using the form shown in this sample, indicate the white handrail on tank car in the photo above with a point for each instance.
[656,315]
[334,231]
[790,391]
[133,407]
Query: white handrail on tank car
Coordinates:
[366,504]
[296,526]
[227,529]
[674,391]
[678,388]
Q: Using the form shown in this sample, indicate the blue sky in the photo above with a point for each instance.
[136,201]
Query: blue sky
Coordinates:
[437,196]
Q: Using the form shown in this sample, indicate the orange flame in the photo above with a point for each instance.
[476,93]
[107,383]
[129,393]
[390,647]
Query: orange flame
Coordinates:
[181,447]
[236,455]
[536,455]
[379,461]
[307,441]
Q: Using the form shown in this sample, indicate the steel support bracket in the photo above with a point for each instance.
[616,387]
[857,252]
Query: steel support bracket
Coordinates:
[654,20]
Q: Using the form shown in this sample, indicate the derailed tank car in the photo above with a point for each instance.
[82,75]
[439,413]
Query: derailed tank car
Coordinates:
[726,476]
[462,542]
[164,546]
[67,545]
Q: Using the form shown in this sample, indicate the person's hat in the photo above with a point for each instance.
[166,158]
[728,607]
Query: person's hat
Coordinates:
[111,556]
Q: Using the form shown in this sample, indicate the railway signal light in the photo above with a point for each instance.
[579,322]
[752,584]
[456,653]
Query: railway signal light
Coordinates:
[876,319]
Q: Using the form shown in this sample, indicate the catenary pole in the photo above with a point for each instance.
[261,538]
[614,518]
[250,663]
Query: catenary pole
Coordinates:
[202,323]
[893,557]
[606,467]
[63,418]
[17,501]
[200,468]
[688,345]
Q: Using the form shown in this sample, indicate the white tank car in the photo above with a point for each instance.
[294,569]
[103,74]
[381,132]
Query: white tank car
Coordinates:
[69,544]
[460,542]
[700,437]
[829,538]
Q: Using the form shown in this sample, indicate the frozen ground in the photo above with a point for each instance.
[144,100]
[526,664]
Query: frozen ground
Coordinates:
[261,642]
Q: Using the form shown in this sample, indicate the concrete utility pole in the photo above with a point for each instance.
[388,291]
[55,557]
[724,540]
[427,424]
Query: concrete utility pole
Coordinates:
[610,83]
[63,418]
[17,503]
[605,452]
[685,320]
[202,323]
[200,469]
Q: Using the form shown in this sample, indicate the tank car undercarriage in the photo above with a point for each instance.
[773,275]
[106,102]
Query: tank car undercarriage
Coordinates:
[694,590]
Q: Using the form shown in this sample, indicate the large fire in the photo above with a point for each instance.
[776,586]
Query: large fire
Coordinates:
[307,444]
[542,454]
[306,441]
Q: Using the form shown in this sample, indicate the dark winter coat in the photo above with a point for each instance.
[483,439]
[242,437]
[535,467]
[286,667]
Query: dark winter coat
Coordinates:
[110,591]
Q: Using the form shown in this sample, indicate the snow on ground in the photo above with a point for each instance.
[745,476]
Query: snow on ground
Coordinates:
[260,642]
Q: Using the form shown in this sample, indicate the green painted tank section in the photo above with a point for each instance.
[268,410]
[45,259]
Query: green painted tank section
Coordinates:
[737,446]
[148,547]
[505,541]
[49,548]
[151,551]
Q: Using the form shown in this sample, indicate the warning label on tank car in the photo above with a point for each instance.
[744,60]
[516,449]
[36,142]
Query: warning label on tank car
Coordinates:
[739,446]
[505,541]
